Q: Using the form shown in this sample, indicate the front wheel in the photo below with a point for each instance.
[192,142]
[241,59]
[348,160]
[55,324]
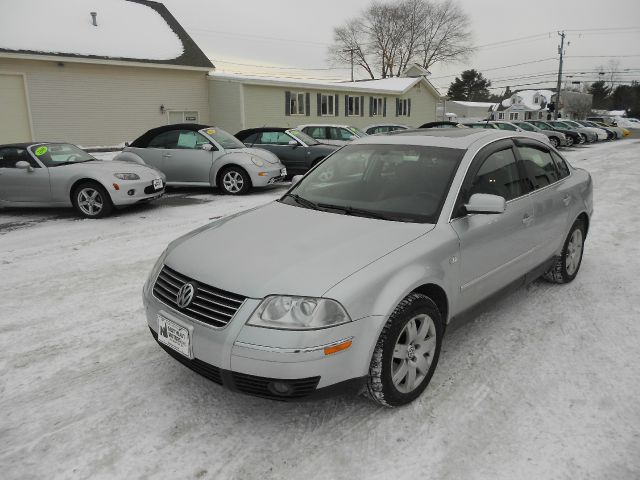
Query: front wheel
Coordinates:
[406,353]
[235,181]
[569,141]
[91,200]
[554,142]
[566,267]
[583,139]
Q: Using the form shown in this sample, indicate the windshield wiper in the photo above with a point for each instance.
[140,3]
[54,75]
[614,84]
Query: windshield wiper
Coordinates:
[357,212]
[302,201]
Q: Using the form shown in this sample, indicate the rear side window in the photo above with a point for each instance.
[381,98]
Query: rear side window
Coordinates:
[165,140]
[336,133]
[274,138]
[540,165]
[506,126]
[251,139]
[10,156]
[499,175]
[563,168]
[319,133]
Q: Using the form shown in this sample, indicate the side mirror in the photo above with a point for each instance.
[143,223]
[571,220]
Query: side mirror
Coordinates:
[24,166]
[293,143]
[296,179]
[207,147]
[485,203]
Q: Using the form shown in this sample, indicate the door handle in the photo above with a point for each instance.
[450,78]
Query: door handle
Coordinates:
[566,200]
[527,219]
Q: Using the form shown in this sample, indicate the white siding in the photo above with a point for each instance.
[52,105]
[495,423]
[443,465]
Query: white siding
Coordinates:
[14,110]
[225,100]
[105,104]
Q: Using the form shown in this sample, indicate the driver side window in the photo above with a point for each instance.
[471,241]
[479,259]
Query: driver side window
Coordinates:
[498,175]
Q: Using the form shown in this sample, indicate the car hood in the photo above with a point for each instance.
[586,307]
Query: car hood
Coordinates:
[324,148]
[258,152]
[284,249]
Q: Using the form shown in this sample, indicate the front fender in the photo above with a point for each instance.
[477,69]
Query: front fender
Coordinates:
[238,158]
[129,157]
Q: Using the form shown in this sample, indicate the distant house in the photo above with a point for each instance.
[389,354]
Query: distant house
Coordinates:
[243,101]
[66,74]
[469,111]
[534,105]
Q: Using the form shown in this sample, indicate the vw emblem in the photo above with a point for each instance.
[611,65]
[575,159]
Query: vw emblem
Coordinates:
[184,297]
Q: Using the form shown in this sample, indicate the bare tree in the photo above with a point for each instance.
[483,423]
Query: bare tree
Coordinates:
[390,35]
[609,72]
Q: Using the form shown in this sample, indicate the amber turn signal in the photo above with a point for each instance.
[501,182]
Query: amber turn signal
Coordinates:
[337,348]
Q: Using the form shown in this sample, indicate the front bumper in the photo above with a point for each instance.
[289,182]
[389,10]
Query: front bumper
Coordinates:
[130,192]
[250,359]
[268,176]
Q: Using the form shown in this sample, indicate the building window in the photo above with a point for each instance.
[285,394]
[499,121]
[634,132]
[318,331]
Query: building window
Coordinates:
[500,115]
[528,115]
[403,107]
[514,116]
[353,106]
[377,106]
[536,99]
[297,103]
[327,107]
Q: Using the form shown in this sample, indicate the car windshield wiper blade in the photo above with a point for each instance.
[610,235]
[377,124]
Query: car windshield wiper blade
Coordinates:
[358,212]
[302,201]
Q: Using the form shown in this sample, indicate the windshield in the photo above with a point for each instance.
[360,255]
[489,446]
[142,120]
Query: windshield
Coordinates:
[527,126]
[573,124]
[224,139]
[563,125]
[303,137]
[356,131]
[55,154]
[392,182]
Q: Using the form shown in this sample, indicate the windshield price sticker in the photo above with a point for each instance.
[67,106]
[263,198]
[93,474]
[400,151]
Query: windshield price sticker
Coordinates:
[211,131]
[41,151]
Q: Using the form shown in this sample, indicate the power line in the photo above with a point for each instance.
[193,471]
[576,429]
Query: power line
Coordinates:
[277,67]
[260,37]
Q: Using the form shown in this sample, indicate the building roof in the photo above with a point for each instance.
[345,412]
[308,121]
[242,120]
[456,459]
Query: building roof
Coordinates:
[485,105]
[140,31]
[389,86]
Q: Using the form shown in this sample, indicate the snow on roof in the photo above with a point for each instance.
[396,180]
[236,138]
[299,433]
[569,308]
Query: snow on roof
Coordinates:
[526,98]
[394,85]
[617,113]
[125,29]
[474,104]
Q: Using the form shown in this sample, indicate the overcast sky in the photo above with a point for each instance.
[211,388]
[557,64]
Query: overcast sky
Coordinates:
[288,33]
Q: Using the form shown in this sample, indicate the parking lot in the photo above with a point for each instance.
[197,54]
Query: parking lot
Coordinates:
[544,384]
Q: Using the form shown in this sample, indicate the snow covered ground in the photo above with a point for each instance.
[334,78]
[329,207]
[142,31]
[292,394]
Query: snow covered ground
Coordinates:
[545,385]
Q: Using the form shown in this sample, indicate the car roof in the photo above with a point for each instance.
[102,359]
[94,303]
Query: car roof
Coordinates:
[325,125]
[250,131]
[29,144]
[461,138]
[143,140]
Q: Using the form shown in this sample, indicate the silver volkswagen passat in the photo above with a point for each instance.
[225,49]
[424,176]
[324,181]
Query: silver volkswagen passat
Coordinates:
[204,156]
[63,175]
[365,268]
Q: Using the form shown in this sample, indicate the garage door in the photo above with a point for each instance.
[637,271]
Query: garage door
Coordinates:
[14,114]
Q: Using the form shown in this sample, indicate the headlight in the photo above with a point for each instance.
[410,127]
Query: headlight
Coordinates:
[298,313]
[257,162]
[127,176]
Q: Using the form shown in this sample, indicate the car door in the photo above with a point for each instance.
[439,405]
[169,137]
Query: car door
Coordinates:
[19,184]
[186,161]
[494,248]
[551,197]
[292,156]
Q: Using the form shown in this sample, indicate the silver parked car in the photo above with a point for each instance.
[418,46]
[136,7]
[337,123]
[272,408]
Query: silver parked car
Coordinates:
[332,134]
[63,175]
[204,156]
[412,231]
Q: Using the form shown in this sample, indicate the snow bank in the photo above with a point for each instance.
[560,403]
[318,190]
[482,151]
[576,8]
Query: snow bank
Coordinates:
[125,29]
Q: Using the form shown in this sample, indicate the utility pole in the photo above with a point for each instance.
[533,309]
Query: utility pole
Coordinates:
[559,86]
[351,51]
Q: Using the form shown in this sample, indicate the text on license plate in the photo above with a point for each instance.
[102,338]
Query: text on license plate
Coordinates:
[174,336]
[157,183]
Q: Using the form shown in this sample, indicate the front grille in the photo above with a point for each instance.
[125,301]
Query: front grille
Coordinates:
[258,386]
[210,305]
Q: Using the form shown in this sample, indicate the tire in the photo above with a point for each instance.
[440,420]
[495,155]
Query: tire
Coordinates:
[234,181]
[567,265]
[554,142]
[393,357]
[91,200]
[569,141]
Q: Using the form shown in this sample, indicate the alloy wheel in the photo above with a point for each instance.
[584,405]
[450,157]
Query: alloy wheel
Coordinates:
[233,181]
[413,353]
[90,201]
[574,252]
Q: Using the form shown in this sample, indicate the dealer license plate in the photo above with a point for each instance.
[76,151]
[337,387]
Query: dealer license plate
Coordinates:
[157,183]
[174,336]
[283,172]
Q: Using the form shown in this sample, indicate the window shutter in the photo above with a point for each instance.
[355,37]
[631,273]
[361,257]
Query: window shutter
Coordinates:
[371,106]
[336,105]
[362,106]
[397,107]
[319,104]
[346,105]
[307,101]
[409,108]
[287,103]
[384,107]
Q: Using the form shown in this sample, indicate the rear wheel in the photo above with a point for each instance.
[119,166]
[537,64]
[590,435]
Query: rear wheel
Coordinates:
[406,353]
[566,267]
[569,141]
[554,142]
[234,181]
[91,200]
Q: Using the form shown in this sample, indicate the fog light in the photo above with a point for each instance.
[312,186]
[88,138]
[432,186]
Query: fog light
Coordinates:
[131,192]
[280,388]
